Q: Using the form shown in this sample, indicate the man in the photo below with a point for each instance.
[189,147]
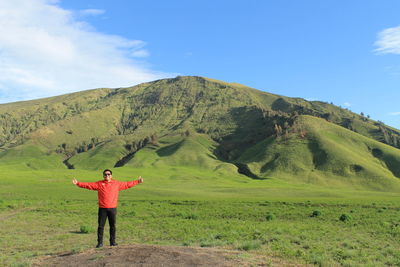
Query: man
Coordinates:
[107,193]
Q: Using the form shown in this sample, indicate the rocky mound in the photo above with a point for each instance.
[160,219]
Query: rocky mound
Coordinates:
[153,255]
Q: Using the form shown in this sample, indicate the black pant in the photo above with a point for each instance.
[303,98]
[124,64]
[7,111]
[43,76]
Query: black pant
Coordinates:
[112,219]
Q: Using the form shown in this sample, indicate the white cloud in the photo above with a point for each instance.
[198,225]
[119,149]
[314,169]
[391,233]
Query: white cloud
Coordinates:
[45,50]
[141,53]
[394,113]
[347,104]
[388,41]
[92,12]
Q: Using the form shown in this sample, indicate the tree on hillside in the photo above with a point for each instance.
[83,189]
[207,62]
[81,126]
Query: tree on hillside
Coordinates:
[154,139]
[278,130]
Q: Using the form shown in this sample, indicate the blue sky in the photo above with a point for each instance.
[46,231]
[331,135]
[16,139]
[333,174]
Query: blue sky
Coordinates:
[345,52]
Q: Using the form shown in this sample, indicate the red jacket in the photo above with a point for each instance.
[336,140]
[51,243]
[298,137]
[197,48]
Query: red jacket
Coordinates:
[107,192]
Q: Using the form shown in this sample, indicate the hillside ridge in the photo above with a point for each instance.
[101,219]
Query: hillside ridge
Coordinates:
[200,122]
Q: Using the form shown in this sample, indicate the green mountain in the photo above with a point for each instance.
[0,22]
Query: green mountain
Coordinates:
[201,123]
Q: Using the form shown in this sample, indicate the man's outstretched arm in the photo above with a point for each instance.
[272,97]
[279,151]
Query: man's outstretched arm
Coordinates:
[126,185]
[90,186]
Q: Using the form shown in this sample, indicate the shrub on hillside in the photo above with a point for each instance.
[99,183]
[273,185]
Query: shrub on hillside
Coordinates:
[212,243]
[249,245]
[85,229]
[315,213]
[270,217]
[345,217]
[191,216]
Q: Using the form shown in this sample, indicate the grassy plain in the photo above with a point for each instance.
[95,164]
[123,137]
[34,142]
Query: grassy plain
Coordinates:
[41,213]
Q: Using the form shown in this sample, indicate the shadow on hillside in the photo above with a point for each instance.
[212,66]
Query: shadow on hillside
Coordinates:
[69,165]
[244,169]
[391,162]
[169,150]
[125,159]
[270,164]
[252,127]
[320,156]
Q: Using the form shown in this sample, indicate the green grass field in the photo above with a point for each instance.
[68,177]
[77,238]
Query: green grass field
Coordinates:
[42,212]
[324,187]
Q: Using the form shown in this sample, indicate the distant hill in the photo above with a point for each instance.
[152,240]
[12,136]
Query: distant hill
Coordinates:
[199,123]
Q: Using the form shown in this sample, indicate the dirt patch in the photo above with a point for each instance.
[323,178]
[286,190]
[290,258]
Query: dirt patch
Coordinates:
[153,255]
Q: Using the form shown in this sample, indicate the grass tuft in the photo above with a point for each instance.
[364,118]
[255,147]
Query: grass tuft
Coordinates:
[345,218]
[316,213]
[270,217]
[249,245]
[86,229]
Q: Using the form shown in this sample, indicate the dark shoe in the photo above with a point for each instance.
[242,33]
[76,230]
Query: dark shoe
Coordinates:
[99,245]
[113,244]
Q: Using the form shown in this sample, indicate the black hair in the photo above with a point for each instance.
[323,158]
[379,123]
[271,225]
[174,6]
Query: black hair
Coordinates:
[107,170]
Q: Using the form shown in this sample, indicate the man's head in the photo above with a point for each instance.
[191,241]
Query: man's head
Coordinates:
[107,175]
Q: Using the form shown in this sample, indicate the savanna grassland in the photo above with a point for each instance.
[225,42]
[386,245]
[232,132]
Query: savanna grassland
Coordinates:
[225,165]
[42,213]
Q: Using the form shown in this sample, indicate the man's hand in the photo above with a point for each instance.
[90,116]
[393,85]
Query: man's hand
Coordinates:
[140,179]
[74,181]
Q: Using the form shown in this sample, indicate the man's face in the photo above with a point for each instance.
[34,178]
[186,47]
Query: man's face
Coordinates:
[107,176]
